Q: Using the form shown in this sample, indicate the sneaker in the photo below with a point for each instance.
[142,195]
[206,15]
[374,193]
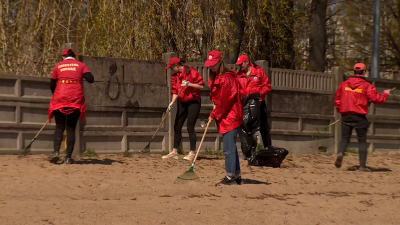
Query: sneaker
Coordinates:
[54,157]
[230,181]
[69,161]
[338,162]
[190,156]
[171,155]
[364,169]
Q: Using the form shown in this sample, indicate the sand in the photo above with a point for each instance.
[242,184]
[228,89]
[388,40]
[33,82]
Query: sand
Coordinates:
[111,189]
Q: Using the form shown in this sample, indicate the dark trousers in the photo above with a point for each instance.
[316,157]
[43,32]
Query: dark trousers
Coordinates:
[360,124]
[264,127]
[189,110]
[65,122]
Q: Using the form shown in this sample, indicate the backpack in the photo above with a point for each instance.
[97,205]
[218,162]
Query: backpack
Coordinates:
[270,157]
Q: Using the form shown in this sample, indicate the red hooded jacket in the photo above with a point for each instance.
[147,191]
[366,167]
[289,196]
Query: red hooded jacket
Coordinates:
[228,112]
[353,95]
[68,92]
[257,82]
[188,93]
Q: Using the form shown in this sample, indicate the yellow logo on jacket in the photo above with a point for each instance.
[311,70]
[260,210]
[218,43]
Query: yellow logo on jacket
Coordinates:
[358,90]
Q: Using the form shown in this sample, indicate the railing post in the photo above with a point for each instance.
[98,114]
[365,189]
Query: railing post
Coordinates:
[171,119]
[339,77]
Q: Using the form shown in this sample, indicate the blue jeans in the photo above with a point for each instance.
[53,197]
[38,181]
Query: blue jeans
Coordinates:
[232,165]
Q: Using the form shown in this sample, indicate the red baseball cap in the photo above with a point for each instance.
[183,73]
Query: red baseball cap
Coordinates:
[359,66]
[213,58]
[172,61]
[65,52]
[241,59]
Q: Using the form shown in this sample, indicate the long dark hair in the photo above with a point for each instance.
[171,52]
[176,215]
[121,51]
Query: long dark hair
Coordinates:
[222,70]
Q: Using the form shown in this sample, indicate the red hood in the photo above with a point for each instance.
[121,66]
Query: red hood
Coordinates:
[355,82]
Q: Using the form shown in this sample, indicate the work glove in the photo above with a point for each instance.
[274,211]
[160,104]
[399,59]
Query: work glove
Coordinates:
[185,83]
[170,106]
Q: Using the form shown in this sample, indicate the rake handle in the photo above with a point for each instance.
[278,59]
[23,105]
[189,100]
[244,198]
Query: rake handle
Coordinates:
[201,142]
[166,115]
[41,129]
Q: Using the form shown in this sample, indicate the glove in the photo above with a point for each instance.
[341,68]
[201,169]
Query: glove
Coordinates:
[185,83]
[170,106]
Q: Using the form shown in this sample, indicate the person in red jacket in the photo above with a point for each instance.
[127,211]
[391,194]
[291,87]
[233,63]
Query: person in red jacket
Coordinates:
[68,103]
[227,112]
[189,104]
[351,100]
[254,83]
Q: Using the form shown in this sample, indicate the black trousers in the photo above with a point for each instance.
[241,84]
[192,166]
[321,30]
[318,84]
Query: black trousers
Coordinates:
[264,127]
[67,122]
[190,111]
[361,125]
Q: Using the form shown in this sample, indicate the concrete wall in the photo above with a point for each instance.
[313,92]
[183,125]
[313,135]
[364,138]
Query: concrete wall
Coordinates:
[126,103]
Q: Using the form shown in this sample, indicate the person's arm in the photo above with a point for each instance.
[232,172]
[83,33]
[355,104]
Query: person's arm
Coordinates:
[53,84]
[53,80]
[198,82]
[336,101]
[265,84]
[88,77]
[87,74]
[374,96]
[174,91]
[226,99]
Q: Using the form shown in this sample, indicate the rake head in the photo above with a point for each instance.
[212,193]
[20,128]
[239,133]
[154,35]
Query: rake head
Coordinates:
[26,151]
[127,154]
[189,175]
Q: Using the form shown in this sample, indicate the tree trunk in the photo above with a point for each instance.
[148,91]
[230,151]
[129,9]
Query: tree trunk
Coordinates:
[318,36]
[239,7]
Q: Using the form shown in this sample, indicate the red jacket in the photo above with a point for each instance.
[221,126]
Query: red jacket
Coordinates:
[228,112]
[353,95]
[257,82]
[188,93]
[68,92]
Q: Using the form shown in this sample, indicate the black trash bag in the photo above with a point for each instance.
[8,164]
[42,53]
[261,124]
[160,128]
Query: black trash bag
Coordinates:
[270,157]
[250,128]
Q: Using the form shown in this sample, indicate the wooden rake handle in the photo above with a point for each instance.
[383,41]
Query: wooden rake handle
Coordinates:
[165,117]
[47,121]
[201,142]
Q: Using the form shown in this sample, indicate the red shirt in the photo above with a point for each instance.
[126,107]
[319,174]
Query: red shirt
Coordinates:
[353,95]
[188,93]
[257,82]
[228,112]
[68,92]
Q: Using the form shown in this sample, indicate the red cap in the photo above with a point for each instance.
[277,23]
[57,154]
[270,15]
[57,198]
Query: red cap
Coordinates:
[212,58]
[65,52]
[241,59]
[172,61]
[359,66]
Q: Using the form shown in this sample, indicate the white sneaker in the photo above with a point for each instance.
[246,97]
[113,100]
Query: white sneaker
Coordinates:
[171,155]
[190,156]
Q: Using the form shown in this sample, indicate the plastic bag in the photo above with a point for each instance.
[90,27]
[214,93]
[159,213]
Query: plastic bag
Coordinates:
[250,128]
[270,157]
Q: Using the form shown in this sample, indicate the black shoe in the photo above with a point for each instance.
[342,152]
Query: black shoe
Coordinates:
[69,161]
[230,181]
[338,162]
[54,157]
[239,180]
